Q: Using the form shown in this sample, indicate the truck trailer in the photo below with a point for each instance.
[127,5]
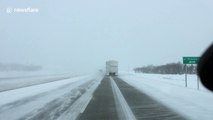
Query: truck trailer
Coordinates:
[112,67]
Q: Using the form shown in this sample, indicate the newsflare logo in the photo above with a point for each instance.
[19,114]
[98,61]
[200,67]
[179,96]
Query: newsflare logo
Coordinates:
[11,10]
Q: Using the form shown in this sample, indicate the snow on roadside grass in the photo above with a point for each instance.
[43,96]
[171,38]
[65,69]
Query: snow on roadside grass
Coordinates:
[169,90]
[192,80]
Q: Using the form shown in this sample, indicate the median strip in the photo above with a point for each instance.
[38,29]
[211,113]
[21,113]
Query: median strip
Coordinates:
[123,109]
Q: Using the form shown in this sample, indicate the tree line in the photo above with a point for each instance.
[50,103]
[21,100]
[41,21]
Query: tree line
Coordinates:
[170,68]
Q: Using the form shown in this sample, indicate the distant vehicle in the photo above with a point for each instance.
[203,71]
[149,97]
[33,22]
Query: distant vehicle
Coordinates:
[112,67]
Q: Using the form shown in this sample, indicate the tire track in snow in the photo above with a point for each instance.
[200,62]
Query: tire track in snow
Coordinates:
[26,100]
[58,106]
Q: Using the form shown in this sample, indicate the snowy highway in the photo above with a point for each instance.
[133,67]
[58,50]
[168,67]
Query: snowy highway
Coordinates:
[99,97]
[124,103]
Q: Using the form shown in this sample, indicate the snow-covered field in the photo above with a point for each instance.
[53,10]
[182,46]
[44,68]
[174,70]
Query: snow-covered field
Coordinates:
[22,74]
[14,80]
[170,90]
[49,100]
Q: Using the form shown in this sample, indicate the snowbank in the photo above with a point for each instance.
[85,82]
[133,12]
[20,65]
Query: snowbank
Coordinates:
[169,90]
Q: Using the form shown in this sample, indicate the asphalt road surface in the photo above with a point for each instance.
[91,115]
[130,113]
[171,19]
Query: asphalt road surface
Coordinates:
[102,105]
[105,106]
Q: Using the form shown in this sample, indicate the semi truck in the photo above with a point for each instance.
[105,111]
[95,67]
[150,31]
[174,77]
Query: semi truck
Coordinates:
[112,67]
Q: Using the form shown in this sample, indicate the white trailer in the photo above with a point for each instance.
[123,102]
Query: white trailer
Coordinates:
[111,67]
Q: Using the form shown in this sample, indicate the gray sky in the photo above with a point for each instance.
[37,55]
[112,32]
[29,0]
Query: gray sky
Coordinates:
[80,35]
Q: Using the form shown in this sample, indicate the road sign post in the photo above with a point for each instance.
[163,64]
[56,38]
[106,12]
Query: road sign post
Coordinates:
[198,81]
[190,60]
[185,75]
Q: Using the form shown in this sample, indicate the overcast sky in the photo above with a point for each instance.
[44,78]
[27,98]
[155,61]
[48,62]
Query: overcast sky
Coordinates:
[80,35]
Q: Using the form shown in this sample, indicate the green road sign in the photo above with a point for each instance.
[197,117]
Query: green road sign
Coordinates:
[191,60]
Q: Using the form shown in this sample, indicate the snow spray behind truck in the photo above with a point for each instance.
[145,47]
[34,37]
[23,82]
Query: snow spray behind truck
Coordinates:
[112,67]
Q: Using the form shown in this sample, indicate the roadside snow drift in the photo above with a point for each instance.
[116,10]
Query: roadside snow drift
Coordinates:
[169,90]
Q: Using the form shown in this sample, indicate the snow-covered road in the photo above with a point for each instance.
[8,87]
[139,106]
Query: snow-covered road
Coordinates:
[46,101]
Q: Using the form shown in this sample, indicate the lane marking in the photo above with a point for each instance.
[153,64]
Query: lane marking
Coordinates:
[78,106]
[86,104]
[123,109]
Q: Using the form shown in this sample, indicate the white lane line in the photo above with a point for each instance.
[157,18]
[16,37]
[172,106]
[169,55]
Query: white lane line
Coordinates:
[80,105]
[123,109]
[85,105]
